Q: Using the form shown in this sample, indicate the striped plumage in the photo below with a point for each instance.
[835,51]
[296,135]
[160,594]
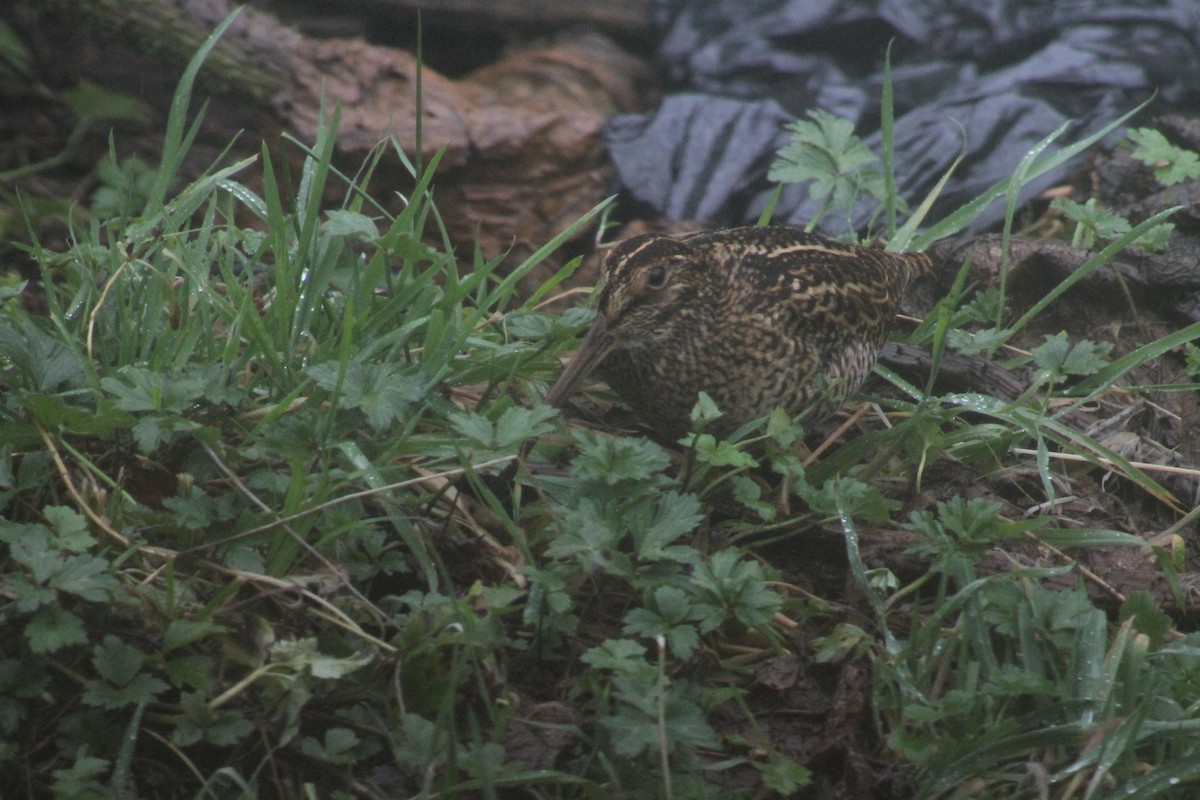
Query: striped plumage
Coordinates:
[758,318]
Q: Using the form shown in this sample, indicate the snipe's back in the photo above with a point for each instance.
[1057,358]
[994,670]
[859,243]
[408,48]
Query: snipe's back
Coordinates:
[758,318]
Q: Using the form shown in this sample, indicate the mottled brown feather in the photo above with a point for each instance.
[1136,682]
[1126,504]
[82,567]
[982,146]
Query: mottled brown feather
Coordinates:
[758,318]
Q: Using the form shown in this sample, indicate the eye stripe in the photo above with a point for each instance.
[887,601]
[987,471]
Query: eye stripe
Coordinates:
[640,250]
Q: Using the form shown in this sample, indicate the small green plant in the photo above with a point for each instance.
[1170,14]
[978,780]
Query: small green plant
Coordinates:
[1029,672]
[1093,224]
[837,166]
[1171,165]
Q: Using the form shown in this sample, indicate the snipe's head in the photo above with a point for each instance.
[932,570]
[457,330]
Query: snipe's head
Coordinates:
[649,284]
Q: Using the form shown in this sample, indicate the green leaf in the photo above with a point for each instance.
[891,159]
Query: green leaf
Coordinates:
[1171,164]
[719,453]
[733,587]
[674,515]
[1057,357]
[406,247]
[29,546]
[89,101]
[473,427]
[149,433]
[195,510]
[202,723]
[633,731]
[782,430]
[116,661]
[636,725]
[337,747]
[30,596]
[843,493]
[141,389]
[1086,357]
[643,621]
[518,425]
[974,523]
[1104,223]
[332,667]
[86,577]
[39,362]
[141,689]
[784,775]
[748,492]
[196,671]
[667,617]
[586,537]
[1192,356]
[383,392]
[1096,222]
[507,434]
[838,645]
[416,742]
[984,342]
[672,603]
[985,305]
[81,781]
[826,153]
[705,411]
[13,52]
[33,548]
[124,187]
[23,677]
[53,628]
[613,459]
[530,324]
[1147,617]
[227,730]
[619,655]
[1157,238]
[71,527]
[350,224]
[305,654]
[182,632]
[57,414]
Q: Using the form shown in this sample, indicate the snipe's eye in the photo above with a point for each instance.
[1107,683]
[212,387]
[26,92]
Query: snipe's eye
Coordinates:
[657,277]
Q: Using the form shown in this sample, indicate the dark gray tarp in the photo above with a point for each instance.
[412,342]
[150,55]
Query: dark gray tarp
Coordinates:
[991,77]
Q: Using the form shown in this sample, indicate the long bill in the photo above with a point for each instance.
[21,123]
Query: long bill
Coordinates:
[596,345]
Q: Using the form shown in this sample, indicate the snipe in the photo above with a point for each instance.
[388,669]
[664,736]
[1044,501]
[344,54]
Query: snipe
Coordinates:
[758,318]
